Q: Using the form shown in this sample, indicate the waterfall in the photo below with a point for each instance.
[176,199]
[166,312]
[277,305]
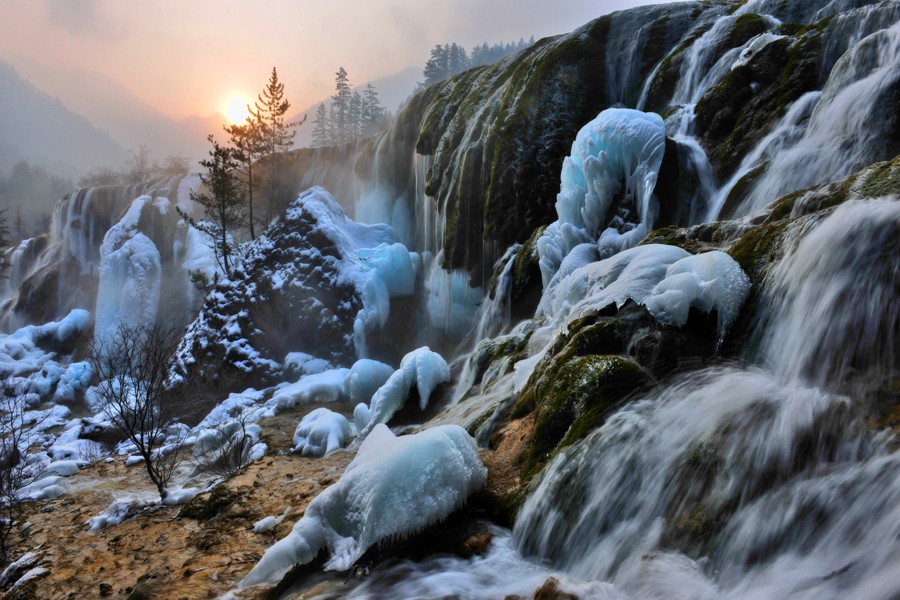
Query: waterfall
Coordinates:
[840,136]
[764,470]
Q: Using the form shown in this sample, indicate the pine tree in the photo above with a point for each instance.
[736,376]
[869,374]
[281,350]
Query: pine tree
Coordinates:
[247,147]
[277,136]
[340,103]
[221,201]
[4,242]
[354,129]
[320,133]
[372,110]
[19,226]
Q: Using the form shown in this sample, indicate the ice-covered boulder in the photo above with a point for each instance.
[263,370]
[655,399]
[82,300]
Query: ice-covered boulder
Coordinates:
[394,486]
[606,192]
[364,379]
[421,369]
[321,432]
[327,386]
[666,279]
[316,283]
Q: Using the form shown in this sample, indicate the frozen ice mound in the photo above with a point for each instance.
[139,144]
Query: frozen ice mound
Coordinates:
[321,432]
[606,189]
[666,279]
[422,369]
[395,486]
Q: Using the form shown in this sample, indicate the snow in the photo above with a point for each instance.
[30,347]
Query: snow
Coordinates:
[327,386]
[666,279]
[421,368]
[305,364]
[364,379]
[394,486]
[268,523]
[118,511]
[61,468]
[615,157]
[76,378]
[321,432]
[47,488]
[176,496]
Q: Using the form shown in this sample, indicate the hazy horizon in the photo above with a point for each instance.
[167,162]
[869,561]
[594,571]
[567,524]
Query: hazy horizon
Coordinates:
[192,60]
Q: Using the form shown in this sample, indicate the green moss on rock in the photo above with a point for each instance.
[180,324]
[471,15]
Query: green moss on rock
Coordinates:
[577,400]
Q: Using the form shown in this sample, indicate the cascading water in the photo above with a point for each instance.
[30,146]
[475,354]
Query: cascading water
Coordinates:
[779,484]
[840,137]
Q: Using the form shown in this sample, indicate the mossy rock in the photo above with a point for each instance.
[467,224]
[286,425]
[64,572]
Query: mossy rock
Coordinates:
[734,115]
[577,400]
[758,248]
[204,508]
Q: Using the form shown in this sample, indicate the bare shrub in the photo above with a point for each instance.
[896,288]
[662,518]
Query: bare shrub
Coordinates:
[133,369]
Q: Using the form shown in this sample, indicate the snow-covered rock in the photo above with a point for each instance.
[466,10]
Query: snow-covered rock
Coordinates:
[422,369]
[327,386]
[316,283]
[364,379]
[321,432]
[118,511]
[606,192]
[666,279]
[393,487]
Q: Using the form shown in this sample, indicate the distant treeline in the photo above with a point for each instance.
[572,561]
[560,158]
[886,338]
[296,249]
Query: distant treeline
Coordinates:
[28,195]
[349,114]
[450,59]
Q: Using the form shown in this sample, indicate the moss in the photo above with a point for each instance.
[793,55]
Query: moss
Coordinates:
[203,509]
[577,400]
[736,113]
[586,336]
[757,249]
[525,272]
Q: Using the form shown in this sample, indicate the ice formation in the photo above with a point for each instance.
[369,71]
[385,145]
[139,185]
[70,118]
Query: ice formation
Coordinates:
[321,432]
[268,523]
[613,166]
[394,486]
[422,369]
[364,379]
[130,274]
[327,386]
[666,279]
[118,511]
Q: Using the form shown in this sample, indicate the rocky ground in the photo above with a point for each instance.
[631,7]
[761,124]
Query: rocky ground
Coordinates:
[200,550]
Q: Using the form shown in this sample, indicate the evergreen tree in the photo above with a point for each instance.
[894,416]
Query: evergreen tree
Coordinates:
[340,104]
[372,111]
[19,226]
[222,203]
[247,147]
[320,133]
[277,136]
[4,241]
[354,129]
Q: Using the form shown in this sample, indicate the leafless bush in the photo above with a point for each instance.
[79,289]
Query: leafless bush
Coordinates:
[224,449]
[16,431]
[133,370]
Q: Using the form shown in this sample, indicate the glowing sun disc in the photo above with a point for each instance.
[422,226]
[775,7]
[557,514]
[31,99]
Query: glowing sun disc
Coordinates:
[236,109]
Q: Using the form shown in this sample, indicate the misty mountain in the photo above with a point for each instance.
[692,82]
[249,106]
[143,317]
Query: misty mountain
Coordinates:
[128,118]
[392,90]
[40,129]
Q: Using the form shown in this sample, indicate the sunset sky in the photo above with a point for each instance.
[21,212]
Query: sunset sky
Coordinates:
[193,57]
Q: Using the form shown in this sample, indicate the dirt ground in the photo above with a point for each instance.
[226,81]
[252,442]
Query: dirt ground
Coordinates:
[162,552]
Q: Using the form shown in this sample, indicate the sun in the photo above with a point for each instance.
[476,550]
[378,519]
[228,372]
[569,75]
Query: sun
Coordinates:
[236,109]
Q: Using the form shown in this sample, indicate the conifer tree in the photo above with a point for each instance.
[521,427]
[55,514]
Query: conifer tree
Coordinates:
[372,111]
[222,204]
[277,136]
[320,133]
[247,147]
[340,104]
